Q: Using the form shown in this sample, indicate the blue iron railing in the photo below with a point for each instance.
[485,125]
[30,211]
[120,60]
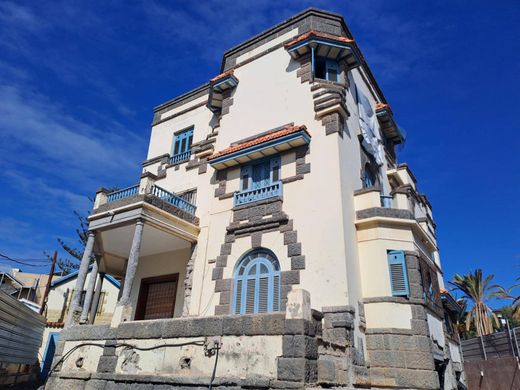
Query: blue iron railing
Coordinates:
[124,193]
[248,196]
[178,158]
[386,201]
[173,199]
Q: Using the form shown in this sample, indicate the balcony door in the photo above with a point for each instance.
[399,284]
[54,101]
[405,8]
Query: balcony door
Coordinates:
[157,297]
[261,175]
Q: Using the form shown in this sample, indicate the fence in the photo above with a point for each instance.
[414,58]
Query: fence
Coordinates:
[21,331]
[497,345]
[491,362]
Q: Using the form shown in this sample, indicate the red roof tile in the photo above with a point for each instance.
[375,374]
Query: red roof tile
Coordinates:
[382,106]
[55,324]
[268,137]
[318,34]
[222,75]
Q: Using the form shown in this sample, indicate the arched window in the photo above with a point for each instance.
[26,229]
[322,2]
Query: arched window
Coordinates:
[257,283]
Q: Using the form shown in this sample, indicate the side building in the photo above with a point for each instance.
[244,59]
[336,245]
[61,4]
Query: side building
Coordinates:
[272,226]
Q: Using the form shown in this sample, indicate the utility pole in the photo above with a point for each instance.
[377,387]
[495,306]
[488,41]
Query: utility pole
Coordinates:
[48,286]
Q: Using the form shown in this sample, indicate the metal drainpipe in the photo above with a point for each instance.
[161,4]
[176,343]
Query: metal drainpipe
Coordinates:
[483,347]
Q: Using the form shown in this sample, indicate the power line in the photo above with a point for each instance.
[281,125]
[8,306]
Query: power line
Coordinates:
[22,262]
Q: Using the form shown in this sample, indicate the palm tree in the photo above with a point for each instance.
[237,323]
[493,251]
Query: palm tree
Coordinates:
[476,292]
[506,294]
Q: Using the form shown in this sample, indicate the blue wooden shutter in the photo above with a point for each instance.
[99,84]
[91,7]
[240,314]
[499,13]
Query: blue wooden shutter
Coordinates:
[275,169]
[332,70]
[182,142]
[398,273]
[245,177]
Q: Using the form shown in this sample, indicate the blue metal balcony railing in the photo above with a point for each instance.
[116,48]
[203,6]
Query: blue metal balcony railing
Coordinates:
[124,193]
[181,157]
[386,201]
[248,196]
[173,199]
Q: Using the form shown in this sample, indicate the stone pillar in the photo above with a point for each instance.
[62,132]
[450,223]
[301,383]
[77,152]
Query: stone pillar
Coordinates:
[75,309]
[97,294]
[89,293]
[123,310]
[188,281]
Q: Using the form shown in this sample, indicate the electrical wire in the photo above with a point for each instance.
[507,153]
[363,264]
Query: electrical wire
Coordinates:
[23,263]
[199,343]
[214,370]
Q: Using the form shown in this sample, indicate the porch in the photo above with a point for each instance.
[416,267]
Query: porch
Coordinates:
[144,236]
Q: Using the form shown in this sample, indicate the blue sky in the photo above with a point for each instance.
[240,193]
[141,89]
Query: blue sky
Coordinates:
[78,82]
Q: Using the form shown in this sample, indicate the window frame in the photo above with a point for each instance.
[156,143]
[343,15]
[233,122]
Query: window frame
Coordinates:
[328,65]
[246,172]
[183,148]
[397,257]
[142,300]
[241,277]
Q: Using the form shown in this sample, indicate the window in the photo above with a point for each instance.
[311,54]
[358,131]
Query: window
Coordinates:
[369,179]
[257,283]
[182,146]
[260,180]
[157,297]
[398,274]
[260,174]
[326,69]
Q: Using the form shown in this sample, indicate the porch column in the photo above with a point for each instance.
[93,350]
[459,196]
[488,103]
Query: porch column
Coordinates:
[75,309]
[123,310]
[97,294]
[89,293]
[188,281]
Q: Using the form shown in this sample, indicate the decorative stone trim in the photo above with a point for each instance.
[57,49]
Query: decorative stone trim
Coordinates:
[253,220]
[150,199]
[404,357]
[163,159]
[188,281]
[384,212]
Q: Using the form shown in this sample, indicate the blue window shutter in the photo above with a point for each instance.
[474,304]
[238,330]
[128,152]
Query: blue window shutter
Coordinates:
[275,169]
[257,284]
[245,177]
[182,142]
[332,70]
[398,273]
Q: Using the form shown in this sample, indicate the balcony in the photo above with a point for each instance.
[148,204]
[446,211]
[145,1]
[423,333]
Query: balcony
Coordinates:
[180,158]
[397,210]
[248,196]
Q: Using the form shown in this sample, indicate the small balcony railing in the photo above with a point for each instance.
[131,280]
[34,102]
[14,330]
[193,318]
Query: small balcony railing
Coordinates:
[248,196]
[180,157]
[173,199]
[124,193]
[161,193]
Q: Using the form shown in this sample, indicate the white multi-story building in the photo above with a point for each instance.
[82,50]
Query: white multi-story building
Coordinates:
[273,227]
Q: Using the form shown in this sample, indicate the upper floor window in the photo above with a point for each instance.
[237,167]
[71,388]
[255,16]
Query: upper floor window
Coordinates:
[398,274]
[369,178]
[259,180]
[326,69]
[181,149]
[257,283]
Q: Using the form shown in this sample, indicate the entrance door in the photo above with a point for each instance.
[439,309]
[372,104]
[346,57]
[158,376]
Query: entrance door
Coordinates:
[157,297]
[49,354]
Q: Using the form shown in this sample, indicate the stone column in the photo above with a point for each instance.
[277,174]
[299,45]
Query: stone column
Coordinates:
[90,292]
[123,310]
[188,281]
[75,309]
[97,294]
